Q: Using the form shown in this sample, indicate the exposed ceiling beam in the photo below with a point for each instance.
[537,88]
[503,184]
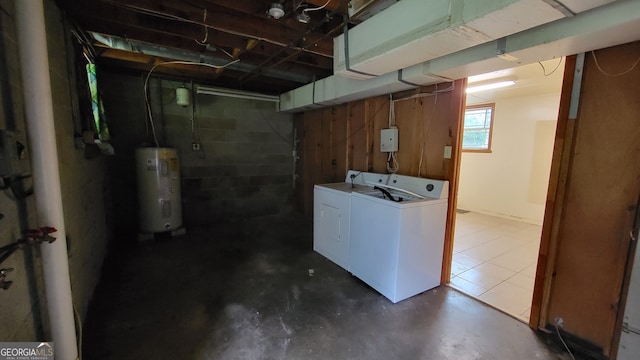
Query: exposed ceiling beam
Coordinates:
[186,16]
[291,72]
[140,63]
[337,6]
[276,52]
[186,41]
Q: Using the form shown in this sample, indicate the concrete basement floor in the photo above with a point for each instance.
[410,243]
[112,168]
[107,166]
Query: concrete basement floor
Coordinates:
[243,290]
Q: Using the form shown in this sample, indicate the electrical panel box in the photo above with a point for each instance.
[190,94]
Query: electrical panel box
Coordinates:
[13,154]
[389,140]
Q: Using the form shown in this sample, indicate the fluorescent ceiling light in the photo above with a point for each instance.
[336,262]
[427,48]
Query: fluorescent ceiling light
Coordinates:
[495,84]
[236,94]
[506,74]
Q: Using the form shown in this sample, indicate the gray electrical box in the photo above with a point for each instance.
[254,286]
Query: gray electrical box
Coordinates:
[13,154]
[389,140]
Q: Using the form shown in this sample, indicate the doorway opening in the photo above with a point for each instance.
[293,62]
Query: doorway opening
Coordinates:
[509,133]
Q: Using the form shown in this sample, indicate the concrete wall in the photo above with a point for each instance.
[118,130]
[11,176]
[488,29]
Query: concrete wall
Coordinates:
[244,164]
[512,180]
[84,190]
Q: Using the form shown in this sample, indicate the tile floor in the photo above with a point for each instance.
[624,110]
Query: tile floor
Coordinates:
[494,260]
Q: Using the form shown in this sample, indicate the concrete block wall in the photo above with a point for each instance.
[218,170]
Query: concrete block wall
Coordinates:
[244,165]
[124,105]
[84,189]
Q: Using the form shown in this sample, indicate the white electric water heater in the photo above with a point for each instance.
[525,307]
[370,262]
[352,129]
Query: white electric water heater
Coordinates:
[159,201]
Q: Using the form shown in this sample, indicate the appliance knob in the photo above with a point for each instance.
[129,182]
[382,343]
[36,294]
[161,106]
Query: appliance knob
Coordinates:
[430,187]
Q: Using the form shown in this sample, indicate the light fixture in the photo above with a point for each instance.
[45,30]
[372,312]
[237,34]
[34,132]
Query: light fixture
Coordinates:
[491,84]
[236,94]
[303,17]
[276,11]
[183,96]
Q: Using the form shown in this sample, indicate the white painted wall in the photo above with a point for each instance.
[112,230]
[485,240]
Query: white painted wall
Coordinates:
[512,180]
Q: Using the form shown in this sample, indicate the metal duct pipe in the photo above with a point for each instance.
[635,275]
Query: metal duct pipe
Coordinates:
[34,59]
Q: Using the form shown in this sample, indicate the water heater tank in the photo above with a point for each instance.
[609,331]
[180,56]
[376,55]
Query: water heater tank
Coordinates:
[159,202]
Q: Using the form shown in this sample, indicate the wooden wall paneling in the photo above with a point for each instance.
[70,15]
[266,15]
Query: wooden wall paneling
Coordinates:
[423,148]
[324,147]
[356,141]
[317,177]
[410,134]
[298,125]
[306,158]
[434,119]
[378,115]
[330,148]
[442,119]
[426,116]
[452,112]
[604,179]
[369,123]
[339,135]
[303,154]
[561,157]
[313,152]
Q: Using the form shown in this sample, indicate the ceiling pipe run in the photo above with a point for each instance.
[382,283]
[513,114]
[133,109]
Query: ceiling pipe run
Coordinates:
[34,62]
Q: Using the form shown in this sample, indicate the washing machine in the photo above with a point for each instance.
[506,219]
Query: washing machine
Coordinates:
[397,235]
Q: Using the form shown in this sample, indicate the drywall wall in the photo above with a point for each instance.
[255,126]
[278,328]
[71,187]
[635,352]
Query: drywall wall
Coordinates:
[244,165]
[85,191]
[511,181]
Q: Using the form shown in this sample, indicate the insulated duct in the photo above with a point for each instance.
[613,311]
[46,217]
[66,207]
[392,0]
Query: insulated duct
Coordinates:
[414,31]
[612,24]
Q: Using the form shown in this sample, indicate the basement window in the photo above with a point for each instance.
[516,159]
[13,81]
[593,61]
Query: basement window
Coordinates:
[89,118]
[478,126]
[97,108]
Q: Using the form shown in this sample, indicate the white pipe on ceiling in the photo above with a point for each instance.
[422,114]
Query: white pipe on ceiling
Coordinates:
[36,82]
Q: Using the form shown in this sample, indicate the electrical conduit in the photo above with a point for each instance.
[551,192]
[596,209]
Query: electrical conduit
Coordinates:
[34,59]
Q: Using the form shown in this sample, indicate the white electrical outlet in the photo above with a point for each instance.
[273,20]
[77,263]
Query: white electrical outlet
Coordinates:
[559,322]
[447,152]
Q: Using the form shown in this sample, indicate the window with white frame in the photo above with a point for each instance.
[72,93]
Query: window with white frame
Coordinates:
[478,125]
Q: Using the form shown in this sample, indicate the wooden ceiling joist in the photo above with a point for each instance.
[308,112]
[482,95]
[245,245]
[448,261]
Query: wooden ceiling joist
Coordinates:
[275,52]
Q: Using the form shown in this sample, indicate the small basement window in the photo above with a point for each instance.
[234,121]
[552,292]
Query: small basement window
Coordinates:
[97,108]
[478,126]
